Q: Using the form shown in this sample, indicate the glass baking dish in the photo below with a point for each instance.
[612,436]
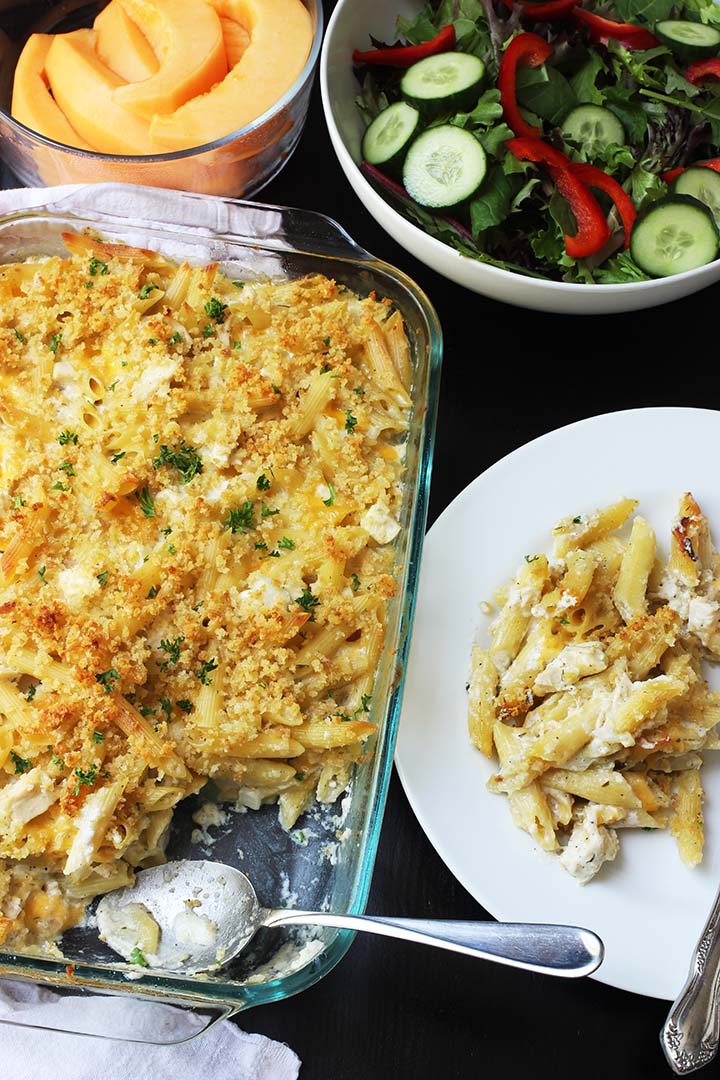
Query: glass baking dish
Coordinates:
[327,862]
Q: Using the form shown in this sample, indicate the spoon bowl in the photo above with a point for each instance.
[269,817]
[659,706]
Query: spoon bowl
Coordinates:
[191,916]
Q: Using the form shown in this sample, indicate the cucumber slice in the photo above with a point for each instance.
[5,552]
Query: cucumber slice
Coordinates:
[444,166]
[703,184]
[447,83]
[690,40]
[593,128]
[677,233]
[387,139]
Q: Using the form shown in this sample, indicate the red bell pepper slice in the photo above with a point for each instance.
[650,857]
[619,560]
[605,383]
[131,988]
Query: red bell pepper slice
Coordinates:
[525,50]
[552,11]
[403,56]
[594,177]
[629,35]
[703,69]
[672,174]
[592,228]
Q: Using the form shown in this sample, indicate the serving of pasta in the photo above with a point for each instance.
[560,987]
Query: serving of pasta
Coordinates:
[201,484]
[592,692]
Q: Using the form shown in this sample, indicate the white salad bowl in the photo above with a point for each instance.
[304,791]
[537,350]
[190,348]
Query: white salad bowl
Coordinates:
[349,28]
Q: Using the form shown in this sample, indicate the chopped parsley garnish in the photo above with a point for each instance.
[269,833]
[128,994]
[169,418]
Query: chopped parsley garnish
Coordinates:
[175,339]
[97,266]
[98,736]
[564,621]
[18,502]
[146,710]
[355,583]
[350,422]
[118,457]
[326,342]
[67,467]
[577,520]
[58,761]
[137,957]
[531,558]
[21,764]
[263,484]
[274,554]
[152,593]
[60,486]
[86,777]
[299,775]
[167,530]
[41,573]
[66,437]
[166,706]
[324,368]
[185,705]
[152,340]
[239,284]
[146,290]
[108,679]
[113,384]
[102,578]
[172,549]
[364,705]
[31,692]
[330,501]
[359,390]
[146,503]
[240,518]
[237,344]
[287,543]
[19,336]
[307,602]
[55,340]
[172,648]
[260,546]
[215,309]
[206,668]
[208,330]
[276,389]
[267,512]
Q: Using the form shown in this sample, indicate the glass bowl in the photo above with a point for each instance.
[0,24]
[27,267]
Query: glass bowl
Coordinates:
[251,241]
[238,164]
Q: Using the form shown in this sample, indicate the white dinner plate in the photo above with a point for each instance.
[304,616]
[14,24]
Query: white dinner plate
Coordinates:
[648,908]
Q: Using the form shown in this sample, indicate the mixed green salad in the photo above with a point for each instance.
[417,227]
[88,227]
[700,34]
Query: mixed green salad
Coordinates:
[552,139]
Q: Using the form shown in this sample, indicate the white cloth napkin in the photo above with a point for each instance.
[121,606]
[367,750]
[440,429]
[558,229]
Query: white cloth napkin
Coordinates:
[224,1052]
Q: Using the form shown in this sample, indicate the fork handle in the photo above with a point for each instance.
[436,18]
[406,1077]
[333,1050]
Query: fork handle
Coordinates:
[692,1030]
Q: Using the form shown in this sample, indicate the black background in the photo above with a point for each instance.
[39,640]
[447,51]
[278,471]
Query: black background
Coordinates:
[398,1010]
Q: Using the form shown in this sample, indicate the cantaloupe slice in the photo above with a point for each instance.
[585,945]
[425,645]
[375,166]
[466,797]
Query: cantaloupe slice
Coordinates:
[187,39]
[280,40]
[236,39]
[84,89]
[122,46]
[32,102]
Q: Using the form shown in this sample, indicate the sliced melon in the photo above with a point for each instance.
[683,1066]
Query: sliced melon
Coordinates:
[281,35]
[84,88]
[188,41]
[32,102]
[236,39]
[122,46]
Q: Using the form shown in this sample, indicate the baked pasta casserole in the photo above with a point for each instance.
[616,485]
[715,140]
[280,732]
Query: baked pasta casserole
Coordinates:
[201,482]
[592,692]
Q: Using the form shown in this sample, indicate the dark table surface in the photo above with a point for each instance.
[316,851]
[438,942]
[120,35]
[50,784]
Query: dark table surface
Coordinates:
[396,1010]
[393,1009]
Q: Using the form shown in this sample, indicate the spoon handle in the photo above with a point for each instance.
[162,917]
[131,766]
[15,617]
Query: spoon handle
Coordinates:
[692,1030]
[553,950]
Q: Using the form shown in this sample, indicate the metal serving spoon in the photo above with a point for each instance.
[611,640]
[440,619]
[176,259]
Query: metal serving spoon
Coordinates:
[208,912]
